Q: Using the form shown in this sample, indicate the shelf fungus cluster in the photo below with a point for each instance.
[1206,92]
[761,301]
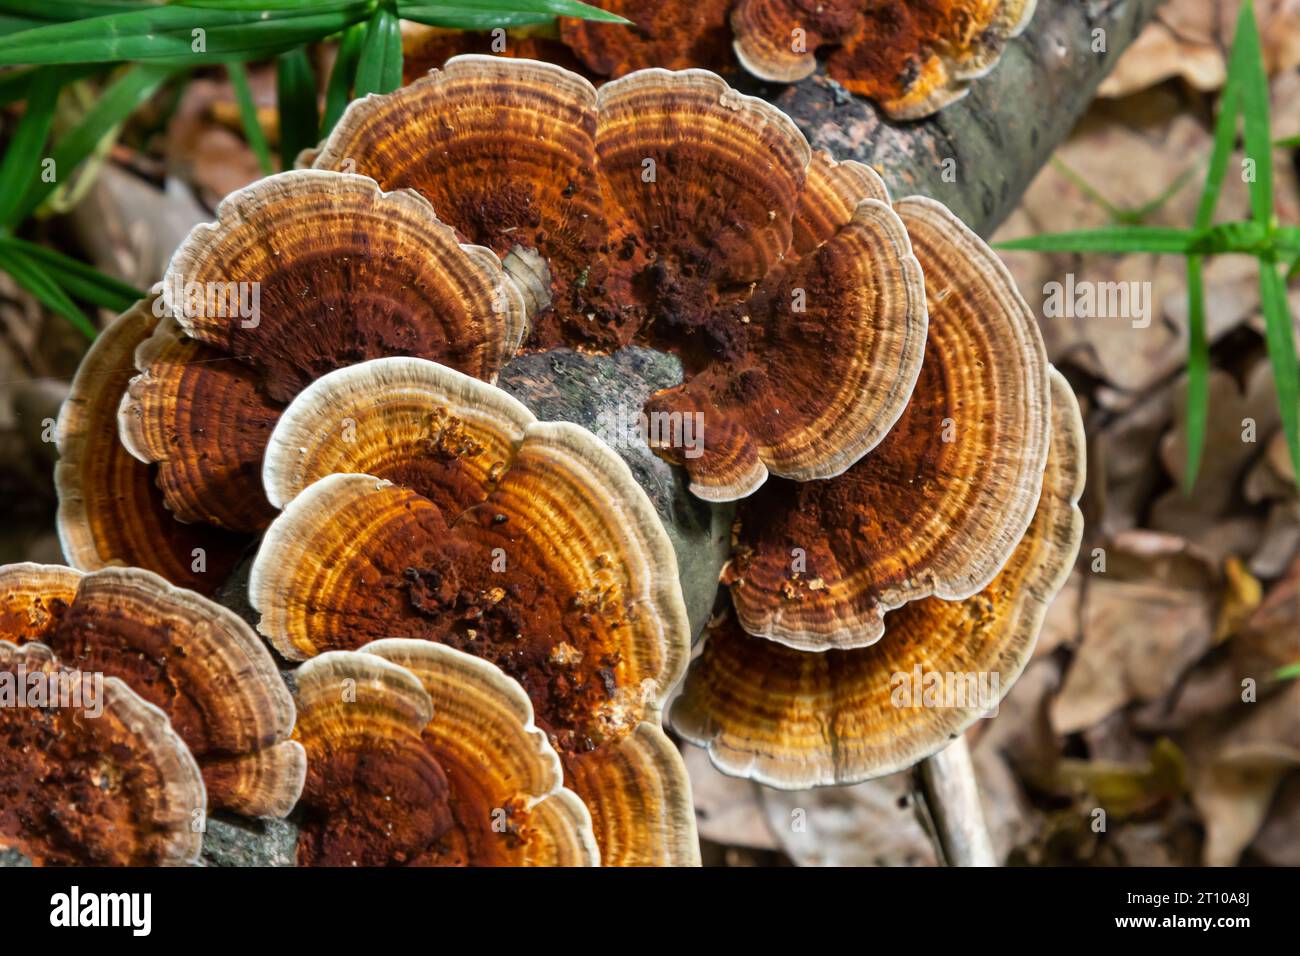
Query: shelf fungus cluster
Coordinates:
[450,514]
[484,608]
[193,714]
[913,57]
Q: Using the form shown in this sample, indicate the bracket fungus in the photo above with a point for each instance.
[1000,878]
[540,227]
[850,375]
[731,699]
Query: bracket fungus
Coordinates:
[795,719]
[329,271]
[110,512]
[913,57]
[420,754]
[90,773]
[451,514]
[669,210]
[938,507]
[194,660]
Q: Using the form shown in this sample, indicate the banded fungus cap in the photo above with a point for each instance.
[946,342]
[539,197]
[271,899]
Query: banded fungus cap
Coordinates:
[91,774]
[938,507]
[796,719]
[913,57]
[420,754]
[302,273]
[110,512]
[451,514]
[673,34]
[669,210]
[194,660]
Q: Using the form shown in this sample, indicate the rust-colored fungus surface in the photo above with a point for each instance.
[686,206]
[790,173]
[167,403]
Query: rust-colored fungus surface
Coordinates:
[420,755]
[90,774]
[797,719]
[670,210]
[674,34]
[939,505]
[913,57]
[110,511]
[303,273]
[194,660]
[451,514]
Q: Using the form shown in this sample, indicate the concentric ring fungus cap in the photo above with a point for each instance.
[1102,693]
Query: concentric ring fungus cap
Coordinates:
[913,57]
[451,514]
[419,754]
[301,273]
[90,773]
[796,719]
[110,512]
[671,211]
[936,508]
[194,660]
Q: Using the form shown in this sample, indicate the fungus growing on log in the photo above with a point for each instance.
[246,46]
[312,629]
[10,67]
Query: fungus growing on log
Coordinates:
[421,755]
[194,660]
[938,507]
[302,273]
[670,210]
[796,719]
[913,57]
[673,34]
[110,512]
[452,515]
[90,773]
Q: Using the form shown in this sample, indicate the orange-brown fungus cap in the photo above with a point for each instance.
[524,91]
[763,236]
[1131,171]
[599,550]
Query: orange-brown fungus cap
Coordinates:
[912,56]
[672,211]
[420,755]
[91,774]
[193,659]
[110,512]
[938,506]
[426,48]
[453,515]
[302,273]
[665,33]
[796,719]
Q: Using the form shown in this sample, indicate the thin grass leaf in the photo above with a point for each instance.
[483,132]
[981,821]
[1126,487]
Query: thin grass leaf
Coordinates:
[169,33]
[1247,66]
[45,289]
[1198,373]
[379,69]
[295,85]
[55,11]
[79,279]
[344,71]
[23,158]
[460,18]
[118,102]
[17,84]
[1116,239]
[543,8]
[1289,672]
[1280,339]
[253,131]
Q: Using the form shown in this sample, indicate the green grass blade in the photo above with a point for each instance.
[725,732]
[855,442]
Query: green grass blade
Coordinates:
[253,131]
[1289,672]
[461,18]
[17,84]
[1247,67]
[79,279]
[1198,372]
[22,160]
[295,84]
[118,102]
[1281,352]
[168,32]
[379,69]
[64,10]
[546,9]
[339,90]
[45,289]
[1114,239]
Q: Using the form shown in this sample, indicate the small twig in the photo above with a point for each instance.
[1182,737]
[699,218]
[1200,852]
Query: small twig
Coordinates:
[947,783]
